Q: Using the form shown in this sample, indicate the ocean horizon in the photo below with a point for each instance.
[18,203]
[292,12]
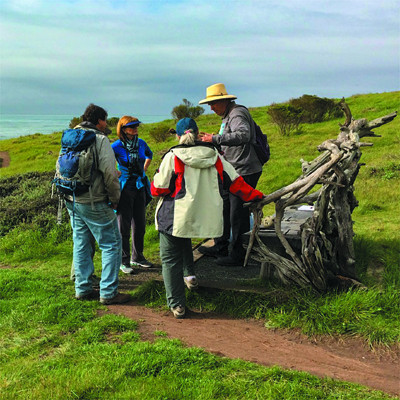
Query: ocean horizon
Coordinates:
[16,125]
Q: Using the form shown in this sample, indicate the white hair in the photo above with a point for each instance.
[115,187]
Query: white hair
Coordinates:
[188,137]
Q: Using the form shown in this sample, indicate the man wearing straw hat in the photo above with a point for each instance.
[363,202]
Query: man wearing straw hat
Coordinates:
[236,138]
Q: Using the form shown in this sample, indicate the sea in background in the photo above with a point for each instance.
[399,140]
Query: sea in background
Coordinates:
[13,125]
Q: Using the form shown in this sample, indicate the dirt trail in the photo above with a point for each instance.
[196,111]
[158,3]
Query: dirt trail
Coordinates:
[348,360]
[4,159]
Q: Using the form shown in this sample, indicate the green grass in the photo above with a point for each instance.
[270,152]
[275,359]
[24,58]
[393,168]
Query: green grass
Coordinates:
[52,346]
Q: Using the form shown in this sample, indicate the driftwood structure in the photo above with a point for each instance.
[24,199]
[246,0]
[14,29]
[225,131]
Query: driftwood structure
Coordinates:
[327,251]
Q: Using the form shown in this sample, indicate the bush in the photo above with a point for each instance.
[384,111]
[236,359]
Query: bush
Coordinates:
[187,109]
[316,109]
[161,133]
[75,121]
[113,121]
[286,116]
[26,198]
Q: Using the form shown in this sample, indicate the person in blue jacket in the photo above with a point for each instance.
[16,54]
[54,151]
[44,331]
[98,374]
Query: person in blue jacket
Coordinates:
[133,156]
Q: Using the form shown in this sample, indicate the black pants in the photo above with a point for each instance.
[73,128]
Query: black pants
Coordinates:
[132,219]
[237,219]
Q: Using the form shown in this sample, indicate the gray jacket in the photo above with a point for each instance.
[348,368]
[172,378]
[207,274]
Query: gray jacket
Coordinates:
[236,138]
[105,179]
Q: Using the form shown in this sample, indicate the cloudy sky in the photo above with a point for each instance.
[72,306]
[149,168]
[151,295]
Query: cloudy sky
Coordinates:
[141,57]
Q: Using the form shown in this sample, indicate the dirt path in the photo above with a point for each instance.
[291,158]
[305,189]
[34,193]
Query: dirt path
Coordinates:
[4,159]
[348,360]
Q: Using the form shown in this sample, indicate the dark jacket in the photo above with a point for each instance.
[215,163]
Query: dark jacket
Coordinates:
[236,138]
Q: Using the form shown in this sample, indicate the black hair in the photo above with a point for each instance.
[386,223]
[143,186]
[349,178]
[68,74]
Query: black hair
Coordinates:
[93,113]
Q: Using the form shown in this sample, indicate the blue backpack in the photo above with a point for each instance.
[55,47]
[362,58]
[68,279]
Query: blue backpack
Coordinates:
[76,162]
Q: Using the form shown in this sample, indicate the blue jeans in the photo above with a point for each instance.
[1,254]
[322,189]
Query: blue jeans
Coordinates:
[101,222]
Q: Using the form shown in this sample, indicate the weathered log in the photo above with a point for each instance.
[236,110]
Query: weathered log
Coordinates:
[327,250]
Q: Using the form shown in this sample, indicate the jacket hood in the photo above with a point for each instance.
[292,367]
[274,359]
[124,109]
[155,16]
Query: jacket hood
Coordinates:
[88,126]
[197,156]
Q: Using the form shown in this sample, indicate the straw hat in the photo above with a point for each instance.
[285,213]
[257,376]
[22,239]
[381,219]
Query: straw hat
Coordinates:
[216,92]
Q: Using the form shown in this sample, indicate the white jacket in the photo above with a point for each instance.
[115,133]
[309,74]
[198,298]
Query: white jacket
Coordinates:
[190,182]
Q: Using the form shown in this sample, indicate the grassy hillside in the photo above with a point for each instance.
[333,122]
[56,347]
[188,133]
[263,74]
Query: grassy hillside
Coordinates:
[54,347]
[377,189]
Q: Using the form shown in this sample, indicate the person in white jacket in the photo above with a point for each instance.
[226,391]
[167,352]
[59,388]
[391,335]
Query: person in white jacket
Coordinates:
[190,182]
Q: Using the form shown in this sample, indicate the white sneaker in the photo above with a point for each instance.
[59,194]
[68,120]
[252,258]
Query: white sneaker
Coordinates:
[178,311]
[126,270]
[142,263]
[191,282]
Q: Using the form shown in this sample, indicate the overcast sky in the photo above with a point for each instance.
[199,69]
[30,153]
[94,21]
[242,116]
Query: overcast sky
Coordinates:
[142,57]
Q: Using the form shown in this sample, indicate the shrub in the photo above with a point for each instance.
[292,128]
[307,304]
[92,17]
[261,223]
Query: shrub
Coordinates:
[75,121]
[161,133]
[286,116]
[316,109]
[113,121]
[187,109]
[26,198]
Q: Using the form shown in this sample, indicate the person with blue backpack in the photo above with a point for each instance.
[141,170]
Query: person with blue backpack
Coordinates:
[87,179]
[133,157]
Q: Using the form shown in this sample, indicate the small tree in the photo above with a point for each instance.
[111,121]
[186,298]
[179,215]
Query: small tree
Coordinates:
[113,121]
[187,109]
[316,109]
[286,116]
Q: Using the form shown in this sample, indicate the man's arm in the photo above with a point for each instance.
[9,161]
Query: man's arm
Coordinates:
[106,165]
[238,132]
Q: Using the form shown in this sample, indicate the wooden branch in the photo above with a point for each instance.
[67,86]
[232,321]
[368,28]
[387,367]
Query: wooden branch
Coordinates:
[376,123]
[297,184]
[329,182]
[327,237]
[365,133]
[257,216]
[343,105]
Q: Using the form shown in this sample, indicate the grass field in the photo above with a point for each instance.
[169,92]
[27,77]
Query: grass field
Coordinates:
[52,347]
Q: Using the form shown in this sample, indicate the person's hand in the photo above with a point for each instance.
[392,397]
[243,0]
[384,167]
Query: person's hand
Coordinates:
[206,137]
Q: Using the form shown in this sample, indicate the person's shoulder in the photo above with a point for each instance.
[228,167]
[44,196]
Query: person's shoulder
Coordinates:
[116,144]
[240,112]
[239,109]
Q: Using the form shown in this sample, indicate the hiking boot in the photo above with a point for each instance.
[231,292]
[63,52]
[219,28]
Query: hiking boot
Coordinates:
[96,281]
[229,262]
[213,251]
[119,298]
[178,311]
[94,294]
[191,282]
[126,269]
[142,263]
